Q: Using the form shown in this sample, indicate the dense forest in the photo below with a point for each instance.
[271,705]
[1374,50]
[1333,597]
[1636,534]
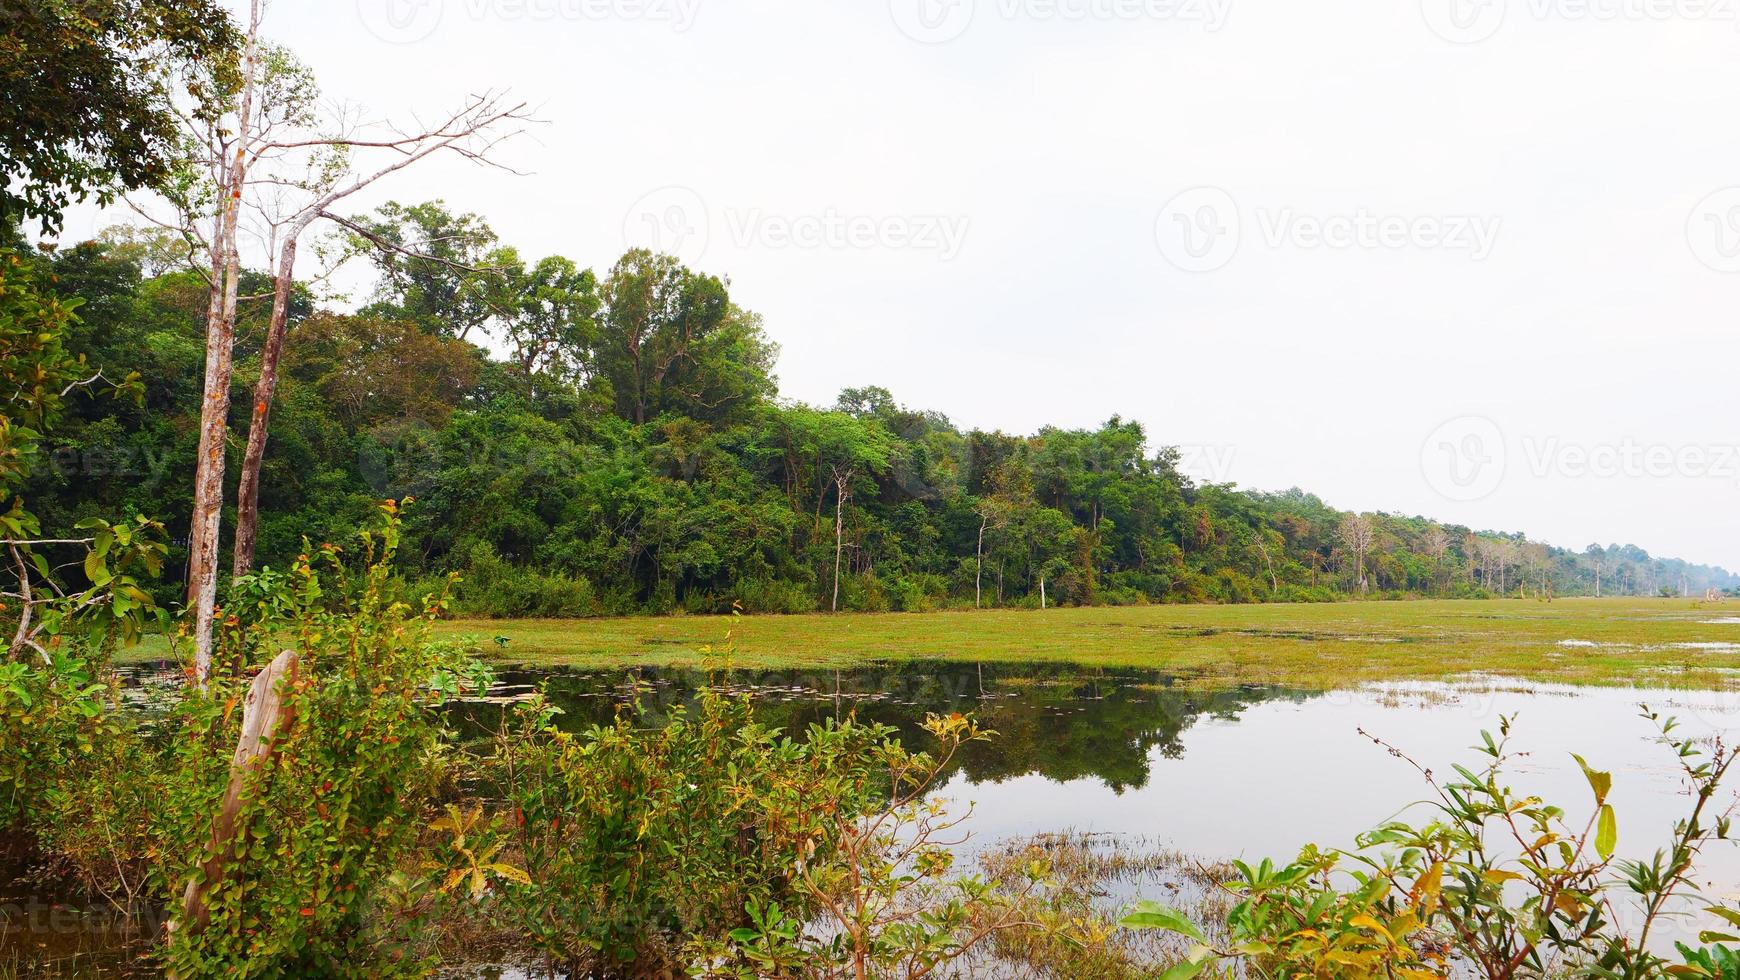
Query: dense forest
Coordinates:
[584,444]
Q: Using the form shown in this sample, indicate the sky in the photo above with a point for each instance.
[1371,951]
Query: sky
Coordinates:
[1472,259]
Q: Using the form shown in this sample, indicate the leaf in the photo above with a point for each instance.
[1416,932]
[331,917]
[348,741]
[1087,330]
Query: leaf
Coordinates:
[1184,970]
[1368,922]
[510,872]
[1606,832]
[95,568]
[1600,782]
[1153,915]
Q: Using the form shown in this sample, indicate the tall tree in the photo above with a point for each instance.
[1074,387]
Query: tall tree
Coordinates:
[549,320]
[438,269]
[671,339]
[1357,534]
[269,151]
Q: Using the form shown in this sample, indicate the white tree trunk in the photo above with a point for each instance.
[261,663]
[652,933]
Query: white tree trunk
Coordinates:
[979,570]
[839,532]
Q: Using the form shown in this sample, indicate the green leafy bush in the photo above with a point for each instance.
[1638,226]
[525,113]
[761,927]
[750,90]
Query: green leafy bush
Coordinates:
[885,900]
[492,588]
[639,839]
[329,815]
[1499,884]
[52,716]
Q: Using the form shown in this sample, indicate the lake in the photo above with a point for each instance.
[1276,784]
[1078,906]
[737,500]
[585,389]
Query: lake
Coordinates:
[1153,762]
[1148,761]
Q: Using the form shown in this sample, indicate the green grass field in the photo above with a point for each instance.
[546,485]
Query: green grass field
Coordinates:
[1614,640]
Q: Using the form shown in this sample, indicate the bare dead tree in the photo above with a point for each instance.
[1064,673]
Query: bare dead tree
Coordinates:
[843,475]
[1357,534]
[1261,541]
[470,132]
[273,154]
[1436,545]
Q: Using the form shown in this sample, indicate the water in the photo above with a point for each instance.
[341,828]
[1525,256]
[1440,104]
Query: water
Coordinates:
[1244,771]
[1238,771]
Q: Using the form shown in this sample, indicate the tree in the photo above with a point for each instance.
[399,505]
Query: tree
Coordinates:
[329,176]
[87,96]
[670,339]
[438,269]
[268,150]
[1596,555]
[839,450]
[1436,545]
[550,318]
[1052,540]
[1007,497]
[1267,542]
[852,448]
[1357,534]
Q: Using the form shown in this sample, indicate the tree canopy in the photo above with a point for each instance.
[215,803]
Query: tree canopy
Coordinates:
[87,95]
[624,449]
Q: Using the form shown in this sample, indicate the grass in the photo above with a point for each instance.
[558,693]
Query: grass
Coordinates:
[1614,641]
[1326,645]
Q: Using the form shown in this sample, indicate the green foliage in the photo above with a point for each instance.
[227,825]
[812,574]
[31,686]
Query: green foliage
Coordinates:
[626,452]
[52,716]
[1500,881]
[329,816]
[886,900]
[490,587]
[86,95]
[1715,962]
[318,876]
[40,372]
[649,832]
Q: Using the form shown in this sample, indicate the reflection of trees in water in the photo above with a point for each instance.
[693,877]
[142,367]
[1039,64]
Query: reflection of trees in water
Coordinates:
[1061,721]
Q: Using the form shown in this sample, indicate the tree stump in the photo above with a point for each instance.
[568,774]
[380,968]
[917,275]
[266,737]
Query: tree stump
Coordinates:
[265,718]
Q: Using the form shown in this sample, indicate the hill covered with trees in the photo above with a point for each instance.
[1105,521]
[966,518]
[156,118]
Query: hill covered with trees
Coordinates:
[584,444]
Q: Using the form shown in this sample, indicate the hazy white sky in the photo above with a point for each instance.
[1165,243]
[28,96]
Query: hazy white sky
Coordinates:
[1467,258]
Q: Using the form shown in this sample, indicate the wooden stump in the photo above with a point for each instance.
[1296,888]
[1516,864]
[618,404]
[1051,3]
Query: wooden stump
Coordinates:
[265,718]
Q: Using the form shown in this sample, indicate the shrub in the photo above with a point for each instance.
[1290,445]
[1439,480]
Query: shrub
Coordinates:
[329,813]
[52,717]
[883,900]
[1500,884]
[492,588]
[764,595]
[919,592]
[638,840]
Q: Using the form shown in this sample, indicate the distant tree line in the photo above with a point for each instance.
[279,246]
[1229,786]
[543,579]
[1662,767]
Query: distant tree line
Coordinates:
[584,444]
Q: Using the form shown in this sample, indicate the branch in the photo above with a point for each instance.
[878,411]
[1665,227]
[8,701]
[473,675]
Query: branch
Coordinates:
[386,244]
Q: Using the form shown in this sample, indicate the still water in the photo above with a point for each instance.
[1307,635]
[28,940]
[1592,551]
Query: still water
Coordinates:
[1238,772]
[1148,761]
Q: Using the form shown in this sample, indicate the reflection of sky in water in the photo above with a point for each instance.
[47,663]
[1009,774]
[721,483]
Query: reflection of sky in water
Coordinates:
[1241,771]
[1287,772]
